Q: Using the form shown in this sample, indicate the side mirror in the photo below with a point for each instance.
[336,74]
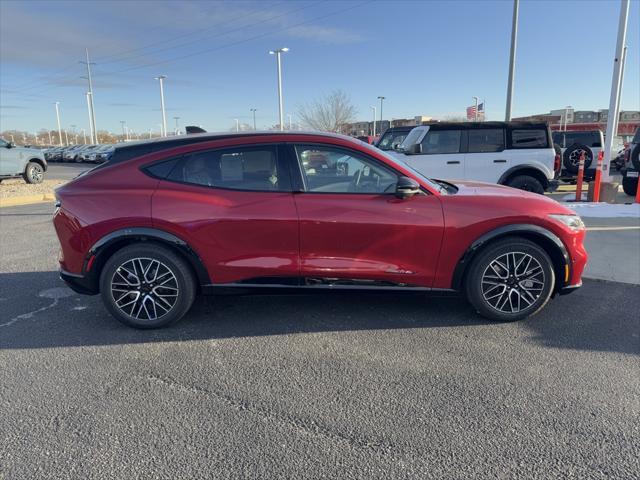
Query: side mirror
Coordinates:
[406,187]
[415,149]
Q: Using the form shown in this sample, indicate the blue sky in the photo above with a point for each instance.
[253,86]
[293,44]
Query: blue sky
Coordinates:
[425,57]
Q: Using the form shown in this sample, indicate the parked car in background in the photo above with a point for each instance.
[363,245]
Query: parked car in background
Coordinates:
[101,154]
[71,153]
[53,154]
[631,166]
[572,145]
[15,162]
[293,211]
[516,154]
[393,137]
[370,139]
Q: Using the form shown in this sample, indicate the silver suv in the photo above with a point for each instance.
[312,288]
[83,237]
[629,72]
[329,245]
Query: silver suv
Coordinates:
[28,163]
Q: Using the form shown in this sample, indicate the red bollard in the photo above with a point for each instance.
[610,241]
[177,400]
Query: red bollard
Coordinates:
[580,178]
[638,192]
[596,186]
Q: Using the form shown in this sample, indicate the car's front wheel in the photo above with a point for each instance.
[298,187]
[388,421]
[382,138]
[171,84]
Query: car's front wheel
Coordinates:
[510,280]
[147,286]
[34,173]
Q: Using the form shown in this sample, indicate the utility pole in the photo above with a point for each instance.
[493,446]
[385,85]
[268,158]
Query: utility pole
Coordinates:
[84,136]
[374,120]
[57,104]
[164,114]
[512,59]
[381,100]
[278,54]
[254,110]
[616,87]
[92,111]
[475,112]
[150,132]
[290,121]
[123,123]
[237,125]
[50,141]
[91,129]
[176,119]
[66,137]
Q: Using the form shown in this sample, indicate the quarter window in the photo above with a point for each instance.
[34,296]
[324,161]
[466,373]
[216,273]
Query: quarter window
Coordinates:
[486,140]
[441,141]
[243,168]
[329,170]
[529,138]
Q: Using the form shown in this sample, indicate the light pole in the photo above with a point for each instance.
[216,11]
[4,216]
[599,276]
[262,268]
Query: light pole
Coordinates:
[374,120]
[290,120]
[57,104]
[91,127]
[92,111]
[123,123]
[50,141]
[237,125]
[512,60]
[381,100]
[66,137]
[176,119]
[84,136]
[164,114]
[278,54]
[150,132]
[475,112]
[253,111]
[566,116]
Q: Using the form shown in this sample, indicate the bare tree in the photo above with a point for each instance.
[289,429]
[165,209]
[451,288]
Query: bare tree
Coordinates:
[330,113]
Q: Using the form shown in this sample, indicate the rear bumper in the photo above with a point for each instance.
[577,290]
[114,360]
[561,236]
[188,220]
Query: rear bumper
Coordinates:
[78,283]
[566,290]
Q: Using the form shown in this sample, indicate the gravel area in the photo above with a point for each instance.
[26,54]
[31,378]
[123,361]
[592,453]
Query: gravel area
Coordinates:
[18,187]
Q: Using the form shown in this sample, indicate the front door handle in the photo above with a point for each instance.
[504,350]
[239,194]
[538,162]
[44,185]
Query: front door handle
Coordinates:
[499,161]
[453,162]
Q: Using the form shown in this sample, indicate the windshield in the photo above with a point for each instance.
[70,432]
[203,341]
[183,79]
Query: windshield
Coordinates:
[412,138]
[391,139]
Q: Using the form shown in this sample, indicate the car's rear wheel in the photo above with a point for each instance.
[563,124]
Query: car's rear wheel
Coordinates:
[510,280]
[527,183]
[147,286]
[34,173]
[630,185]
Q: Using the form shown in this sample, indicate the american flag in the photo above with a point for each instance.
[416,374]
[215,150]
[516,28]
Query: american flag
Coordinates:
[471,112]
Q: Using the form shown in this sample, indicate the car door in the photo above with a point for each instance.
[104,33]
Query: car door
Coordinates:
[10,159]
[235,208]
[441,154]
[486,158]
[353,228]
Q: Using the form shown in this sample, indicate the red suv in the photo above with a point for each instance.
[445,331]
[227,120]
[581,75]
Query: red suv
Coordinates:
[164,220]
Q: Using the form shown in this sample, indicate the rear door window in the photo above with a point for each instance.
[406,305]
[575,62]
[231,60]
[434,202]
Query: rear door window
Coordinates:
[590,139]
[486,140]
[529,138]
[441,142]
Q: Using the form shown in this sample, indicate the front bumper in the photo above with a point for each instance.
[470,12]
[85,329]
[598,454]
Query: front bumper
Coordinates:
[567,289]
[79,283]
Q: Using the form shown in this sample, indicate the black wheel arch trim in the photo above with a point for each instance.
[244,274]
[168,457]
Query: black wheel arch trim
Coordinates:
[143,234]
[552,245]
[523,166]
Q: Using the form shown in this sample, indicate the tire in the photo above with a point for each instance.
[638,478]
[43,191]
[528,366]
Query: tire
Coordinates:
[526,183]
[484,279]
[571,157]
[634,155]
[34,173]
[173,281]
[630,185]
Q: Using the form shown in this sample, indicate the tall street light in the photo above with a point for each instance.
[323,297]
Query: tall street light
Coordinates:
[254,110]
[123,123]
[290,120]
[512,59]
[278,54]
[57,104]
[475,112]
[374,120]
[164,114]
[92,111]
[237,125]
[381,100]
[177,128]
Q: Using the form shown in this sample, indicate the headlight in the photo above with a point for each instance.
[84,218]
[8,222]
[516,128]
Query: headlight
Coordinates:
[574,222]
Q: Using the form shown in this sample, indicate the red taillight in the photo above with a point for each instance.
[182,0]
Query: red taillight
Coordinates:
[556,163]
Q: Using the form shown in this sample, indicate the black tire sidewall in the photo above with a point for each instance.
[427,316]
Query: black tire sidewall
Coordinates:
[178,266]
[520,181]
[28,173]
[634,155]
[630,185]
[473,287]
[566,157]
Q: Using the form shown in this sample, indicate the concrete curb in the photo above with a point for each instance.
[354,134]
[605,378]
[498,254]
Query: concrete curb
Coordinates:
[26,200]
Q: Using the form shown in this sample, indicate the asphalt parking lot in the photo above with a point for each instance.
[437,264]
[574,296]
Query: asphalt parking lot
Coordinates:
[356,386]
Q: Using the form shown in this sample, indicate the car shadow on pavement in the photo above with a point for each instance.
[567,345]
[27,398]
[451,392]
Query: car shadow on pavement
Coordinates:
[38,311]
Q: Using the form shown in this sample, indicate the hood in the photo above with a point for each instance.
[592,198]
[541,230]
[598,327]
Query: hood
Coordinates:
[481,189]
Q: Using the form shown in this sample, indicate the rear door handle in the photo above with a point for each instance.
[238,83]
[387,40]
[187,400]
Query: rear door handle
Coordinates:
[453,162]
[499,161]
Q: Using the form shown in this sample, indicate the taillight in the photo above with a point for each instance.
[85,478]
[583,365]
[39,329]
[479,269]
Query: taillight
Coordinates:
[556,163]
